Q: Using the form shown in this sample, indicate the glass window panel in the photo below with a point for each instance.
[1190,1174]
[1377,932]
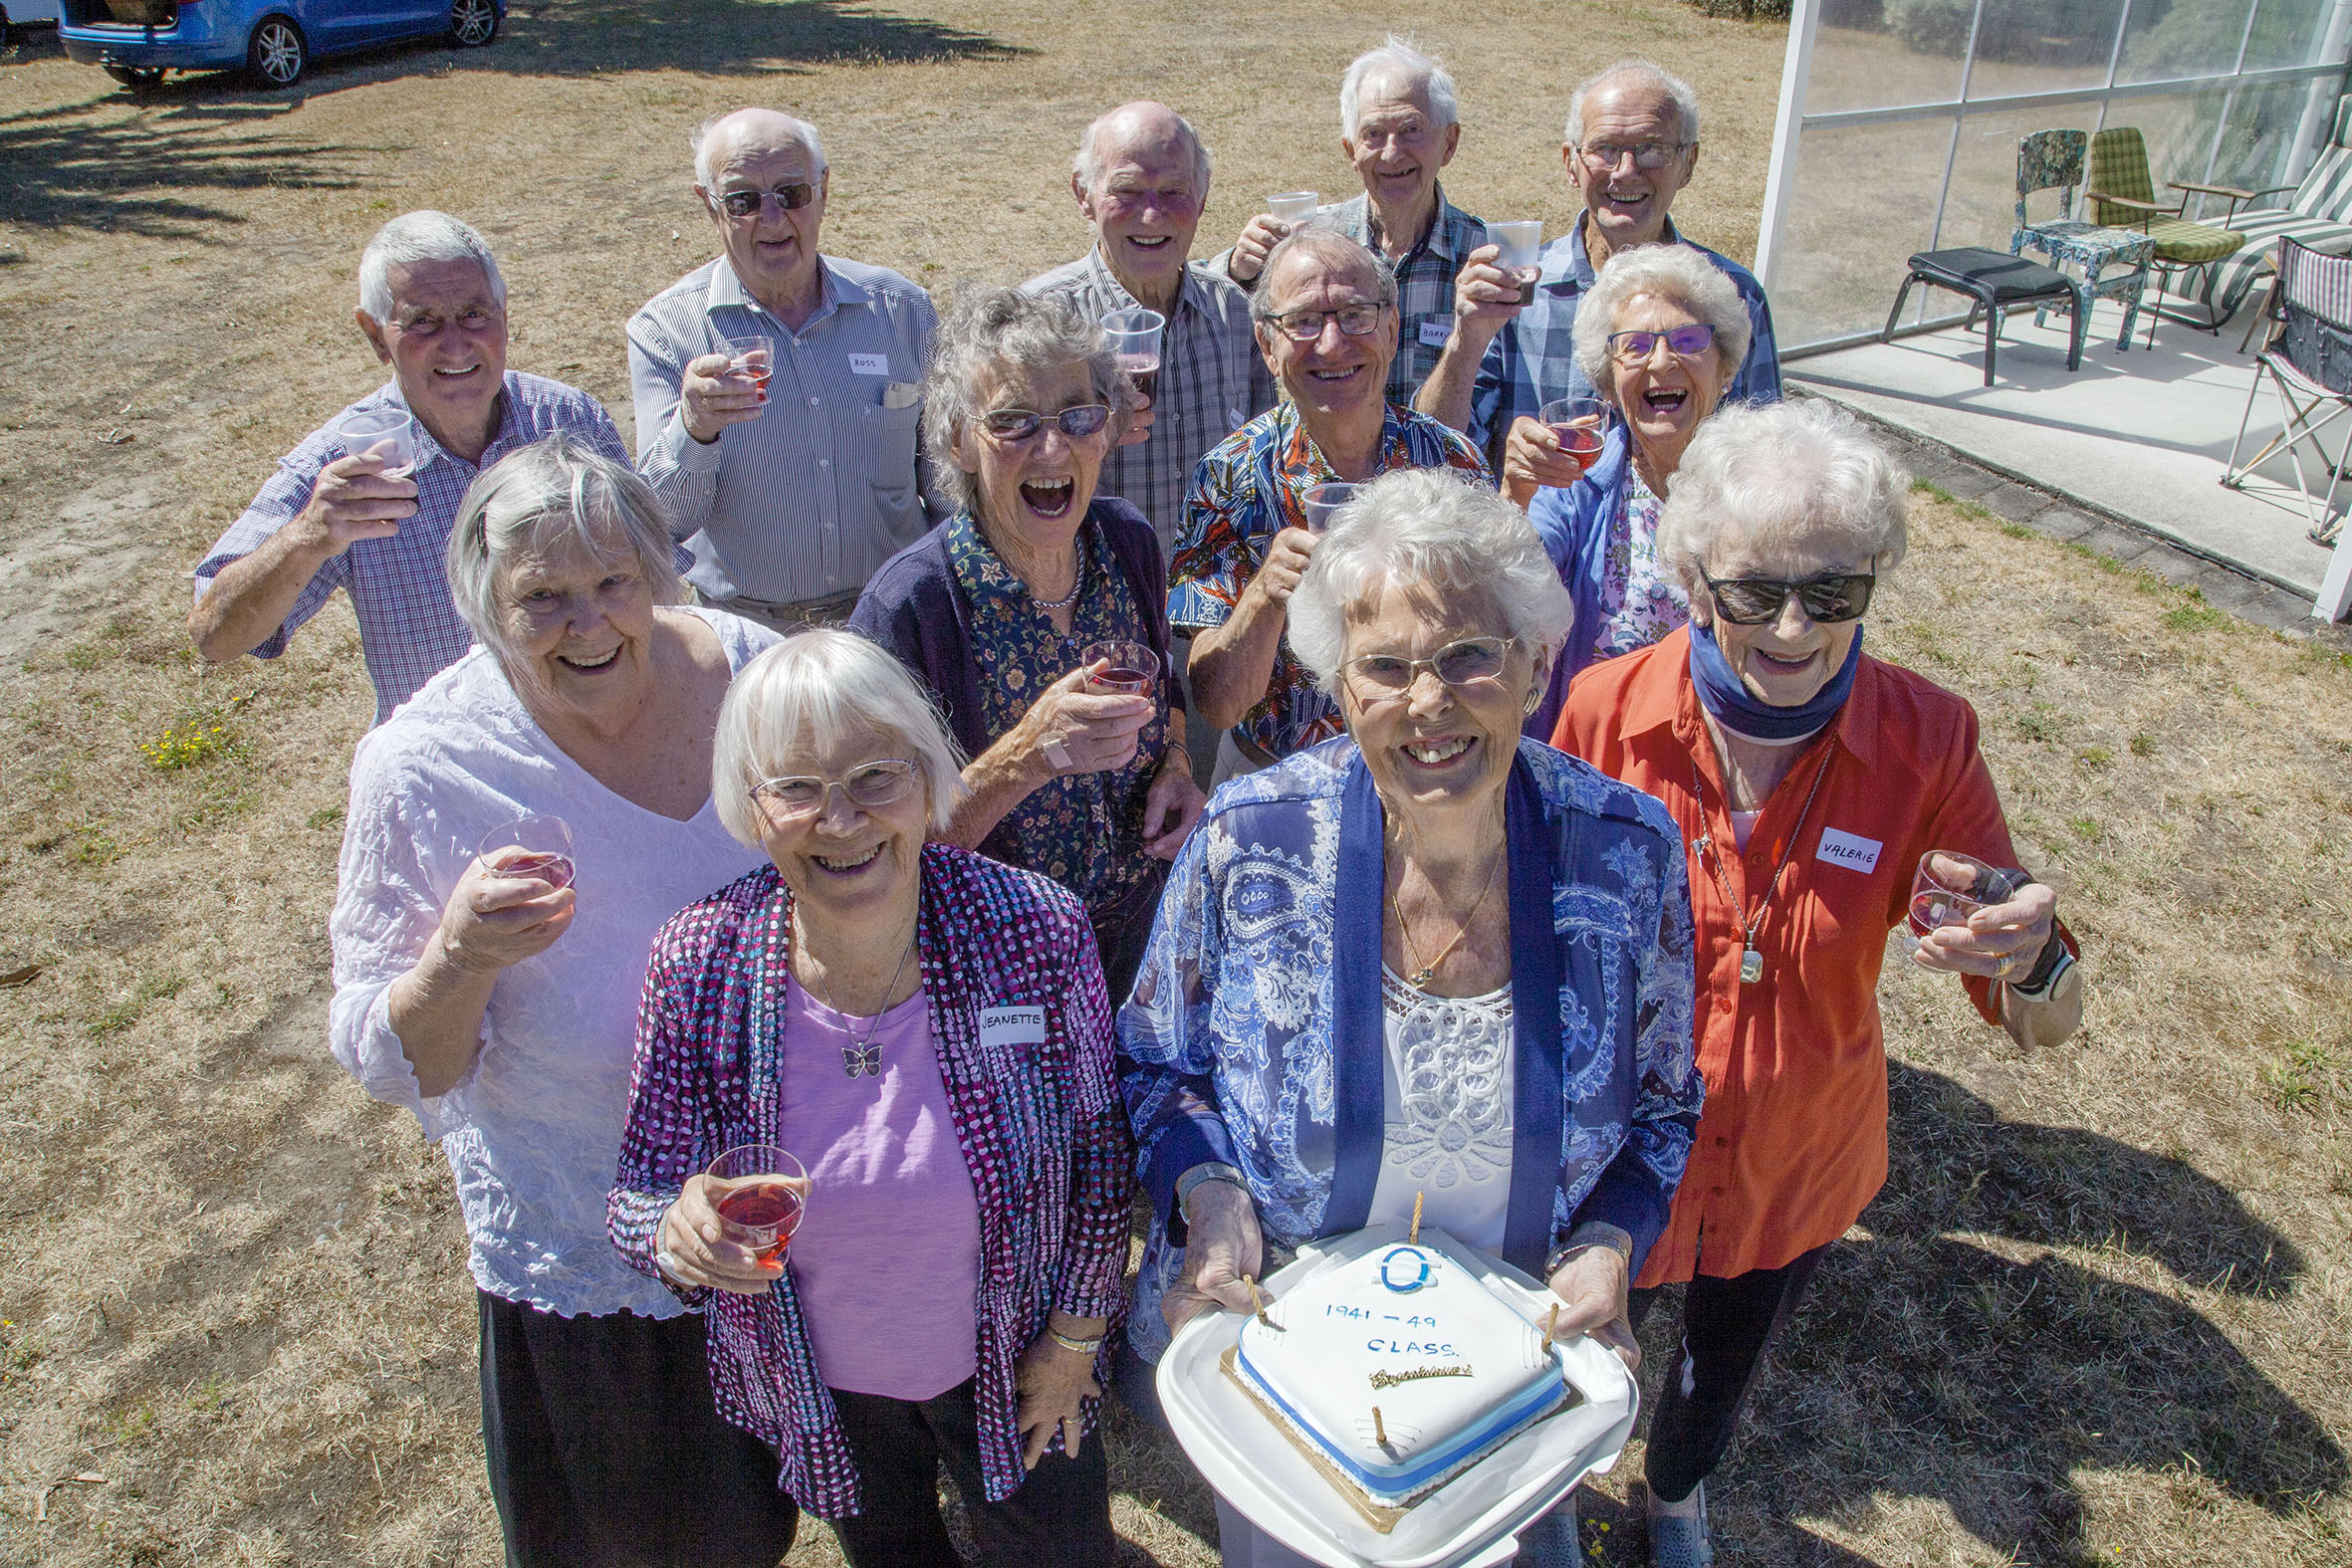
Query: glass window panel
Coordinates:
[1863,200]
[1865,56]
[2286,33]
[2044,46]
[2258,139]
[2188,38]
[1982,208]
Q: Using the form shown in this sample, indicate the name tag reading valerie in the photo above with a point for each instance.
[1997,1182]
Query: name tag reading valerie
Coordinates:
[1850,850]
[1012,1026]
[869,365]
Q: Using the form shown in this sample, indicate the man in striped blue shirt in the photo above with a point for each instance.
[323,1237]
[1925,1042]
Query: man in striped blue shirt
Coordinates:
[433,307]
[791,491]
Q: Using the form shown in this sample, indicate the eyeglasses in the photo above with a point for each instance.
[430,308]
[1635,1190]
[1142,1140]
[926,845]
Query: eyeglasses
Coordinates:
[473,319]
[1306,325]
[1384,677]
[1684,343]
[1646,154]
[1019,424]
[867,785]
[1753,601]
[747,204]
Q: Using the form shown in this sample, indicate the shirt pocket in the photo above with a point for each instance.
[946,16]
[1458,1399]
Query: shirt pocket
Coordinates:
[886,455]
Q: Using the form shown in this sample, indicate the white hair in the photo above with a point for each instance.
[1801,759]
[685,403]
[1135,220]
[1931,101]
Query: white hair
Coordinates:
[802,133]
[1087,166]
[528,502]
[1319,238]
[1397,61]
[811,690]
[416,237]
[1673,88]
[1429,526]
[1798,477]
[1665,272]
[991,336]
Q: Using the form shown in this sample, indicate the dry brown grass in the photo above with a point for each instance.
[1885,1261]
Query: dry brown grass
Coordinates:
[2099,1315]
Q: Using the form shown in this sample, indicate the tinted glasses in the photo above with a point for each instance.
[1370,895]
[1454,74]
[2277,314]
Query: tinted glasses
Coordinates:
[868,785]
[1019,424]
[1645,154]
[1380,677]
[1684,343]
[747,204]
[1752,602]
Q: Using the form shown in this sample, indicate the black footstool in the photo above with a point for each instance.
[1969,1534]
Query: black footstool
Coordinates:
[1992,278]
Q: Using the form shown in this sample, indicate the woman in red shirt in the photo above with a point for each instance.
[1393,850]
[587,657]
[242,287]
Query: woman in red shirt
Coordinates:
[1808,781]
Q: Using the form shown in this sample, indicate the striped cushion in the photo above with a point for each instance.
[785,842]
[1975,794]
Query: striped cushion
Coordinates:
[2234,278]
[2326,191]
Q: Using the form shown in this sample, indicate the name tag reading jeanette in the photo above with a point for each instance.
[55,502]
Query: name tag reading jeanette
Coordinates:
[1850,850]
[1435,331]
[1012,1026]
[869,365]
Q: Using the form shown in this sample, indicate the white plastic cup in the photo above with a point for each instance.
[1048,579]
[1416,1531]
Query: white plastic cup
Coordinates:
[1522,244]
[1293,206]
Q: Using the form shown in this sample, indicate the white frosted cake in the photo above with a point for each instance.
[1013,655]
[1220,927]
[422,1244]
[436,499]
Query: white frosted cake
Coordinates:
[1400,1367]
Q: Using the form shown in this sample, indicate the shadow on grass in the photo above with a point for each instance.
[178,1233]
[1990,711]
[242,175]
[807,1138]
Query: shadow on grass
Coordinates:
[1924,1365]
[86,165]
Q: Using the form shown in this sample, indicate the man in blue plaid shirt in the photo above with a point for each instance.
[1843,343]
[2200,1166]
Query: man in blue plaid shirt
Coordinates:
[1399,126]
[1632,143]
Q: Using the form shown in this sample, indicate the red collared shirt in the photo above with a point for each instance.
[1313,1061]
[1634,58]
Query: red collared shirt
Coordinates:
[1793,1140]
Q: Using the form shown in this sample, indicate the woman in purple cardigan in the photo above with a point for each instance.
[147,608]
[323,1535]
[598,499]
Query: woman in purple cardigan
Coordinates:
[995,609]
[927,1031]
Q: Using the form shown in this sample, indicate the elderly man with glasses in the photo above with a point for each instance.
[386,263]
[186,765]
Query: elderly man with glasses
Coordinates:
[1326,314]
[779,390]
[1399,126]
[345,514]
[1632,144]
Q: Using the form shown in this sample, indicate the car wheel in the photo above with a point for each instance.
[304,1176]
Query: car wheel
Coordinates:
[136,78]
[277,55]
[473,23]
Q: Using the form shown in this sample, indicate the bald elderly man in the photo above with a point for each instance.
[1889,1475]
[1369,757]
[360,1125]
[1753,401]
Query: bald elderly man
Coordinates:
[1632,144]
[1141,178]
[791,494]
[1398,125]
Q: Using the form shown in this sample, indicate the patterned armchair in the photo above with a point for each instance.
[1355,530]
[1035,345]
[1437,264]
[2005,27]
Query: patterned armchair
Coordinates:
[2052,160]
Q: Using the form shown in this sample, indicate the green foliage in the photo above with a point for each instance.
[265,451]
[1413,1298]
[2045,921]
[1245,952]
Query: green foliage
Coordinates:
[1745,10]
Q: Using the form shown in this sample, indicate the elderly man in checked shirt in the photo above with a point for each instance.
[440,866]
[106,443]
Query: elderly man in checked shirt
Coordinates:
[433,307]
[1399,126]
[791,493]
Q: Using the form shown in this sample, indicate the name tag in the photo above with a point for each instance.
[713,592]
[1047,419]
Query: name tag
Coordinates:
[1435,331]
[1012,1026]
[1848,850]
[869,365]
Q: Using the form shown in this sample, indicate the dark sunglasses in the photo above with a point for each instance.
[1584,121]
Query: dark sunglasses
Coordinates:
[1019,424]
[747,204]
[1684,343]
[1752,602]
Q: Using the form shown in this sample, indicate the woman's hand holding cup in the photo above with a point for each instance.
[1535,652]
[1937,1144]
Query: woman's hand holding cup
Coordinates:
[1072,730]
[692,1248]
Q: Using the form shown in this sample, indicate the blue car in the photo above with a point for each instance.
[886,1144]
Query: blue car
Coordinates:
[136,41]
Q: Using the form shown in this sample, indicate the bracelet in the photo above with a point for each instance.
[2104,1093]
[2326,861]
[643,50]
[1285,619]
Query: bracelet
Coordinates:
[1586,1236]
[2043,982]
[1206,1170]
[1083,1347]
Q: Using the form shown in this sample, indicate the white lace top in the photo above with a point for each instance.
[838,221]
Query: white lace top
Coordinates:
[1446,1093]
[532,1132]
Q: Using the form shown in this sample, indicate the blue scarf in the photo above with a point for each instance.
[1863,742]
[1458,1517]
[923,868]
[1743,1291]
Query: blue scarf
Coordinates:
[1739,710]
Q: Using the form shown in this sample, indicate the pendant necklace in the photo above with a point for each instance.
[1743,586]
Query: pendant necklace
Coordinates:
[1420,978]
[862,1055]
[1751,965]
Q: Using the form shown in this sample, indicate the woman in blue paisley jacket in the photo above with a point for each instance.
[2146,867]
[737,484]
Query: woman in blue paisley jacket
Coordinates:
[1333,1012]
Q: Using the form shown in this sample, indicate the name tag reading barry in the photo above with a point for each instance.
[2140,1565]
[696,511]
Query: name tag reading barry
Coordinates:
[869,365]
[1850,850]
[1012,1026]
[1435,331]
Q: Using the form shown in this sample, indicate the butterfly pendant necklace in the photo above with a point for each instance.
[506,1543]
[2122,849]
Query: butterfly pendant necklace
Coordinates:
[862,1056]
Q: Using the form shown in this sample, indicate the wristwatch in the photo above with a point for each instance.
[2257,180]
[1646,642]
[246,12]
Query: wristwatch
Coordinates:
[1207,1171]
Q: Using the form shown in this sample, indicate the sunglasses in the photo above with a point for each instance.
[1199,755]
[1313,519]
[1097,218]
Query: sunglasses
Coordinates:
[1684,343]
[1019,424]
[1753,601]
[747,204]
[1306,325]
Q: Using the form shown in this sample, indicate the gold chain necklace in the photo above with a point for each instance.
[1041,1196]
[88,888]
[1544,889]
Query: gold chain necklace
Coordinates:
[1420,978]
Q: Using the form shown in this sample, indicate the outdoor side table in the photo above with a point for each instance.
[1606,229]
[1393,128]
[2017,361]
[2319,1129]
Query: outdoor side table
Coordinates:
[1993,279]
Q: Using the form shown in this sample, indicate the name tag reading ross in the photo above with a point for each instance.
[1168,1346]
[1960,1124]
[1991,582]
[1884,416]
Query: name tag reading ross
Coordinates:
[1435,331]
[869,365]
[1012,1026]
[1848,850]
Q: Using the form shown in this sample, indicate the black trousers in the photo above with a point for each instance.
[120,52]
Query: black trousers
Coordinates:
[1059,1519]
[606,1451]
[1727,1327]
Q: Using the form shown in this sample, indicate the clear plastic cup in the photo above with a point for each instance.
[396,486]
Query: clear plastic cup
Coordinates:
[1132,669]
[1135,336]
[1581,426]
[762,1195]
[531,846]
[384,433]
[1522,244]
[753,355]
[1293,206]
[1325,499]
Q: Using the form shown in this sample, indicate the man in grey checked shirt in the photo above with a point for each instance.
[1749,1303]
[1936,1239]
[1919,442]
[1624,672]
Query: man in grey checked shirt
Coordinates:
[1400,125]
[433,307]
[792,493]
[1141,178]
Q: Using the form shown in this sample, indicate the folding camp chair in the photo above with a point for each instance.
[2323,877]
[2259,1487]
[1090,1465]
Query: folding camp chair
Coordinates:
[2308,366]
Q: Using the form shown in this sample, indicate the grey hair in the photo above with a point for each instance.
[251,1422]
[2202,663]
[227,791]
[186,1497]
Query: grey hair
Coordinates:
[425,236]
[993,334]
[1425,525]
[1318,237]
[700,139]
[532,498]
[1676,89]
[1087,167]
[813,689]
[1396,60]
[1667,271]
[1792,479]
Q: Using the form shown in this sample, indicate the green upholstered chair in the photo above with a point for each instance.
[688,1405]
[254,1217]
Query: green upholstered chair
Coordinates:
[2122,194]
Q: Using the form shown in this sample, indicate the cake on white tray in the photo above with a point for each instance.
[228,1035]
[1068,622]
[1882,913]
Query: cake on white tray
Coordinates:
[1400,1367]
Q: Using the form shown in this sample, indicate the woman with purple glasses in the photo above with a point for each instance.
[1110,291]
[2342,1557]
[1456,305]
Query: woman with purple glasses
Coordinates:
[995,611]
[1660,337]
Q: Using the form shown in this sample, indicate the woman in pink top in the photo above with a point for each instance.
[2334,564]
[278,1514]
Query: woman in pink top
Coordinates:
[927,1031]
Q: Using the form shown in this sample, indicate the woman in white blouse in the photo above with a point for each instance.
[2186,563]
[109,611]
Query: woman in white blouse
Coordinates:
[500,1009]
